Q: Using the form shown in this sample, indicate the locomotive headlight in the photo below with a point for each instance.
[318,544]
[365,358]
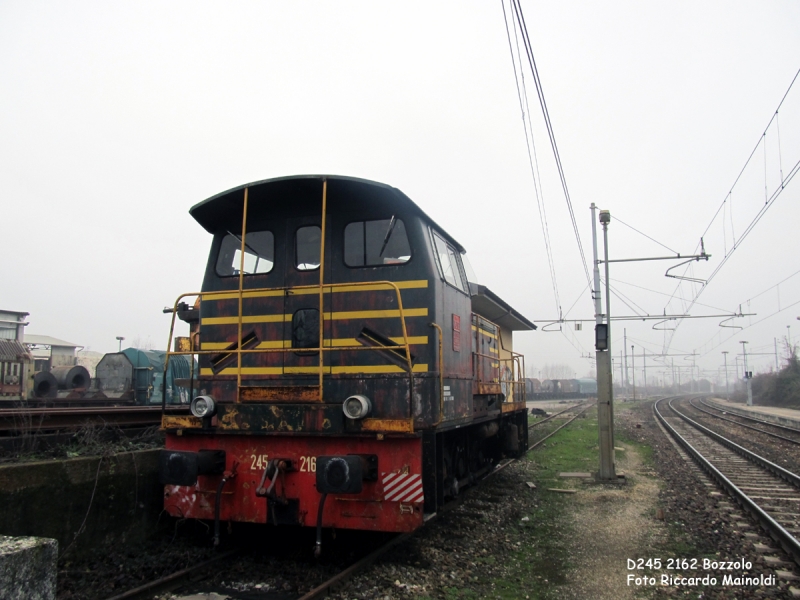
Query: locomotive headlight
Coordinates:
[203,406]
[357,407]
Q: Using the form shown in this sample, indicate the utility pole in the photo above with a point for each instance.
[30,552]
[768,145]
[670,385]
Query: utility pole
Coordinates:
[727,394]
[644,362]
[605,382]
[776,355]
[747,376]
[633,372]
[625,349]
[119,339]
[672,363]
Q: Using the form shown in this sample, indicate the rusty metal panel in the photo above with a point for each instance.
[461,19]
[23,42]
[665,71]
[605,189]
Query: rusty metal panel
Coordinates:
[260,418]
[388,425]
[393,502]
[488,388]
[180,422]
[282,393]
[183,344]
[513,406]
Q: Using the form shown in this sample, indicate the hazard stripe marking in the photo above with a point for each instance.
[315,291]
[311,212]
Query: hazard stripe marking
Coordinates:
[399,487]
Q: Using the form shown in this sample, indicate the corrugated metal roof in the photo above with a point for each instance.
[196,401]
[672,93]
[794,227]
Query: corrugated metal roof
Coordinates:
[12,350]
[46,340]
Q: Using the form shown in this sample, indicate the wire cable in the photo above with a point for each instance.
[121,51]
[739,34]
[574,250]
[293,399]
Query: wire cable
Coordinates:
[618,220]
[522,96]
[546,114]
[769,201]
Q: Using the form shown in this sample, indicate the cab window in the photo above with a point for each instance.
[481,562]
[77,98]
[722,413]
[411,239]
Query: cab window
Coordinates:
[259,254]
[374,243]
[306,248]
[448,260]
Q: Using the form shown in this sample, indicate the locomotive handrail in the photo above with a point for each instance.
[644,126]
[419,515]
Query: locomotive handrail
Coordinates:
[441,373]
[282,291]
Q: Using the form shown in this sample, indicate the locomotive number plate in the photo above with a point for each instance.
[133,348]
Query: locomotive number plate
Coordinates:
[259,462]
[308,464]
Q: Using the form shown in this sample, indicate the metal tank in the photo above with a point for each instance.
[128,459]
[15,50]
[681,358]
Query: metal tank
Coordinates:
[138,375]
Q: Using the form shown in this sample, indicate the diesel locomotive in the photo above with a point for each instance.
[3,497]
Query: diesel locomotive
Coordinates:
[349,375]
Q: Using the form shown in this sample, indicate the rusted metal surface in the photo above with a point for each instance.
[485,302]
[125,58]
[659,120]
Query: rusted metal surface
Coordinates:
[284,393]
[487,388]
[180,422]
[382,505]
[388,425]
[280,418]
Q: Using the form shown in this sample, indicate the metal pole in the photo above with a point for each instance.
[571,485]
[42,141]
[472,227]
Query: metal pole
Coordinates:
[747,376]
[727,393]
[598,306]
[672,363]
[633,372]
[644,360]
[776,354]
[605,382]
[625,350]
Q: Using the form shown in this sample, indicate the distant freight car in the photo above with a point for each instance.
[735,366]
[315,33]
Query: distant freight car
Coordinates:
[137,375]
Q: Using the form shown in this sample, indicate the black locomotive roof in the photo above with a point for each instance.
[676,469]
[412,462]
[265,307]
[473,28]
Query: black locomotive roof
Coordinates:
[489,305]
[300,195]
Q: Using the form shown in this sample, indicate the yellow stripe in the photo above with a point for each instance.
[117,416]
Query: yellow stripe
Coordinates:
[403,285]
[235,295]
[484,332]
[421,339]
[420,368]
[376,314]
[246,319]
[493,350]
[337,316]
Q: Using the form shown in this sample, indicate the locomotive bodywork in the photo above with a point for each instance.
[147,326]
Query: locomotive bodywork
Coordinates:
[349,374]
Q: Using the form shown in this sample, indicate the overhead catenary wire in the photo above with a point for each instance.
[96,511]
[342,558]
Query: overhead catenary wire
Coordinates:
[621,222]
[769,201]
[517,9]
[522,95]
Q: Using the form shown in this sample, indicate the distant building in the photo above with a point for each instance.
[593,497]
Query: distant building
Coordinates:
[49,352]
[12,325]
[15,360]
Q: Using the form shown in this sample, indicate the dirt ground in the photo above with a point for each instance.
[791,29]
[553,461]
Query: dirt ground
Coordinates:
[614,525]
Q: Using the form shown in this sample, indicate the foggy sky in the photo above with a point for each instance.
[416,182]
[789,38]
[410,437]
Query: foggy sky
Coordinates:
[115,118]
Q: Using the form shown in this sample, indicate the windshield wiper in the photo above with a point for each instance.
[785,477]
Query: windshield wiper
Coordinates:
[389,231]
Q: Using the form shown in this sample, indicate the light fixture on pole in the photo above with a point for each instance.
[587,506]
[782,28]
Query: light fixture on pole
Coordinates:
[119,339]
[748,375]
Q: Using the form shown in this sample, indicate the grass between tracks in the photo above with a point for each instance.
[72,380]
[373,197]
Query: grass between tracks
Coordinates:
[542,563]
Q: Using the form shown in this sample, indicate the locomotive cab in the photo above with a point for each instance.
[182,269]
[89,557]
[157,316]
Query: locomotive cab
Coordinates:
[349,374]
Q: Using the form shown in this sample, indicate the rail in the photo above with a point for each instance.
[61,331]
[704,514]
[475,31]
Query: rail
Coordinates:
[745,425]
[776,531]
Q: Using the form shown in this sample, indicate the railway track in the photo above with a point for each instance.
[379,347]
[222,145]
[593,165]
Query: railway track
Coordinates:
[767,491]
[320,591]
[737,419]
[18,421]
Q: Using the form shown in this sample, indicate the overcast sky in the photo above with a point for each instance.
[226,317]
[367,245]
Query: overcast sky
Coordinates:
[116,117]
